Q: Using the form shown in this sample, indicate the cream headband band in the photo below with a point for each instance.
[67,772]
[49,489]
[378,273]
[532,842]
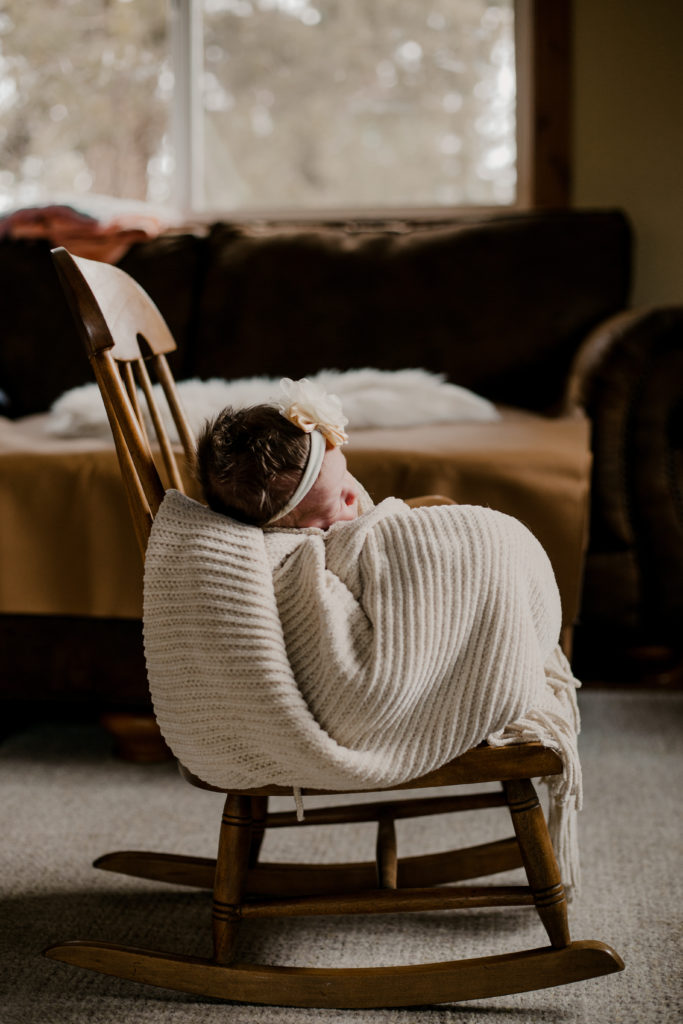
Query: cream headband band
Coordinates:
[320,416]
[316,454]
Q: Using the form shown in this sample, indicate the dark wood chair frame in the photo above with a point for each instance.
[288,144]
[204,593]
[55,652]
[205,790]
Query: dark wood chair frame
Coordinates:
[124,333]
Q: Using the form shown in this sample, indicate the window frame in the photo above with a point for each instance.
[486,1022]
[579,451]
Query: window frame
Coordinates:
[543,120]
[543,58]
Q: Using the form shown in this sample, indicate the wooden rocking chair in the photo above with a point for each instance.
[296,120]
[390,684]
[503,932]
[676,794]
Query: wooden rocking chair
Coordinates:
[113,314]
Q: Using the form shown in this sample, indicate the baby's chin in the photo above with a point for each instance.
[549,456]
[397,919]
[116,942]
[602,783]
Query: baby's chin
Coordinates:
[326,524]
[349,514]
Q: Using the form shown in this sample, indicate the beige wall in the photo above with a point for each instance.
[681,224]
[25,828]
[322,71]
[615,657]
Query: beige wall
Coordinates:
[628,129]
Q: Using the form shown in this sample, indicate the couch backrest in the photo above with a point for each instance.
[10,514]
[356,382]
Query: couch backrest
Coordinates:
[497,303]
[37,328]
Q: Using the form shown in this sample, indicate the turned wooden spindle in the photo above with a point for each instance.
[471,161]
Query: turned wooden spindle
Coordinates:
[387,856]
[232,865]
[259,813]
[539,860]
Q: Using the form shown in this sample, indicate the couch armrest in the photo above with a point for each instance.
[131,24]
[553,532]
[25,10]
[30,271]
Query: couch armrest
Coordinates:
[628,377]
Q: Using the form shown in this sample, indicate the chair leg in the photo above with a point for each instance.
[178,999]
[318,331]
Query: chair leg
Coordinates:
[359,987]
[539,860]
[232,865]
[259,812]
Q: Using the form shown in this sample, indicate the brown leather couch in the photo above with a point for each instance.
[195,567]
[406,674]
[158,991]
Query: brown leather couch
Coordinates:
[528,309]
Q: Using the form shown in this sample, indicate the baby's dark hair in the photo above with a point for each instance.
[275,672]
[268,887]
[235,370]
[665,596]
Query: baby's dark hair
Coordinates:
[250,461]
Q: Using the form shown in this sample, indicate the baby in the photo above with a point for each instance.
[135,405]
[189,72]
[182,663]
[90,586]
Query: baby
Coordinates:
[280,466]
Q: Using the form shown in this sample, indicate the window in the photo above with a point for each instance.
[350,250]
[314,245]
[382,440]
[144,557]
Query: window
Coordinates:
[85,93]
[349,103]
[222,106]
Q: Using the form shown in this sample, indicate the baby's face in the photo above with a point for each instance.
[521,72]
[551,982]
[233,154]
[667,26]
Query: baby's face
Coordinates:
[333,497]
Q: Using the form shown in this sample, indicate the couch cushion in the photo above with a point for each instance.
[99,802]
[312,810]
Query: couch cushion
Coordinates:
[171,269]
[41,355]
[497,304]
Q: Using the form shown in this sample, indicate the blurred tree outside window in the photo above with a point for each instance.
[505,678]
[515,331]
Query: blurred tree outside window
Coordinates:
[85,90]
[285,104]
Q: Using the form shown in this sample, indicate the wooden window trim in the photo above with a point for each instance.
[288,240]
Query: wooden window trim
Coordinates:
[543,72]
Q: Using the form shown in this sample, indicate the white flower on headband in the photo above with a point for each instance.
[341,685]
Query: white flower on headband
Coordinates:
[309,407]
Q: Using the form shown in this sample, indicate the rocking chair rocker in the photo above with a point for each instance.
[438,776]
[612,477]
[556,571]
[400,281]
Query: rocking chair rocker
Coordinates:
[117,320]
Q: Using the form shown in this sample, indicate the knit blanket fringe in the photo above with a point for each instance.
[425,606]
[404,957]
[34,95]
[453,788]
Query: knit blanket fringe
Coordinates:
[557,729]
[359,657]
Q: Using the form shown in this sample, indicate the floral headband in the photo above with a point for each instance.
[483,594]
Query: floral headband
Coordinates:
[319,415]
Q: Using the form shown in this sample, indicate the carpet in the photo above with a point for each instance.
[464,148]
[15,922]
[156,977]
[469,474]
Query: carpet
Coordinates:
[66,800]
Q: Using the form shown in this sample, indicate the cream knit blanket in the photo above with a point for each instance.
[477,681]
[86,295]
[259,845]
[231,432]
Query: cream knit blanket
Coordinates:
[358,657]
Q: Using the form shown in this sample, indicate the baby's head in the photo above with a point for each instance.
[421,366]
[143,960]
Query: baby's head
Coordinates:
[268,466]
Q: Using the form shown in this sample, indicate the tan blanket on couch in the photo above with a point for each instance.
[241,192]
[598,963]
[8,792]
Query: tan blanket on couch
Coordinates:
[67,545]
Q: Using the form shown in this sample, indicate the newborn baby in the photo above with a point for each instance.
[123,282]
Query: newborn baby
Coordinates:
[280,465]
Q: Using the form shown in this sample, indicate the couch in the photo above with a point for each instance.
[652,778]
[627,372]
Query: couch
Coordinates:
[528,309]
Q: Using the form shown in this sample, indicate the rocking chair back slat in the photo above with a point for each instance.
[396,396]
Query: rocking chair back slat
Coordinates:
[165,377]
[124,333]
[167,454]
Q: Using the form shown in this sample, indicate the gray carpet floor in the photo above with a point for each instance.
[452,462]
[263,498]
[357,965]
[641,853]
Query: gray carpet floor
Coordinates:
[66,800]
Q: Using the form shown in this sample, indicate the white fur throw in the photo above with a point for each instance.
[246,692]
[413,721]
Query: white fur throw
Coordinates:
[358,657]
[371,398]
